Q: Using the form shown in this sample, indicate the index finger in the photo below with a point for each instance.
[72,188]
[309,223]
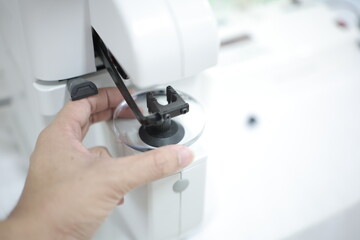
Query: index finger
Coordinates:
[78,113]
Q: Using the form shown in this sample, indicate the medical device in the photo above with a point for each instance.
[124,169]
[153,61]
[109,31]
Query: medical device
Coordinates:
[76,47]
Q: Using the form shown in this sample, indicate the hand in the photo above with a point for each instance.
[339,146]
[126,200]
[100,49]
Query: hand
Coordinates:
[70,190]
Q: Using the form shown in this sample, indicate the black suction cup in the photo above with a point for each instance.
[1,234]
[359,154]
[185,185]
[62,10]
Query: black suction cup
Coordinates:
[185,129]
[156,137]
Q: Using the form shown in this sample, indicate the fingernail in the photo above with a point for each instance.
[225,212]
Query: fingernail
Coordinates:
[185,157]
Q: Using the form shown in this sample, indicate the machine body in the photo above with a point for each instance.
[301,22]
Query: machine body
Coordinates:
[155,42]
[169,208]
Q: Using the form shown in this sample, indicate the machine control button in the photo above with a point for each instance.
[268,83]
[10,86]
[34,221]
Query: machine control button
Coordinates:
[181,185]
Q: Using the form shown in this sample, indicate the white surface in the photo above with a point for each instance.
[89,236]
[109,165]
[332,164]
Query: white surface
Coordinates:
[301,164]
[12,166]
[163,218]
[18,76]
[155,211]
[58,36]
[52,97]
[159,42]
[193,198]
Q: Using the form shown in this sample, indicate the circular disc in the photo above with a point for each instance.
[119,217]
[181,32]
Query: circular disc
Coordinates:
[185,129]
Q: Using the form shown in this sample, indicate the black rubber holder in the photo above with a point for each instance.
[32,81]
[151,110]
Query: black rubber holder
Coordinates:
[155,138]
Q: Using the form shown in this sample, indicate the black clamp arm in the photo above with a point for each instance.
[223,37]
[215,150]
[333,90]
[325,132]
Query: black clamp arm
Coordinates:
[175,107]
[159,113]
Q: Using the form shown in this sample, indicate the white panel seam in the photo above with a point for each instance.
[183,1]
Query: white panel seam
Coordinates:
[180,37]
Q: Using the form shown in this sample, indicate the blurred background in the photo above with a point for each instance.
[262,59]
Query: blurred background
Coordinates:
[283,126]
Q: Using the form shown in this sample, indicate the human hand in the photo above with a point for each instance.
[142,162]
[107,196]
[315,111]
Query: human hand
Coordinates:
[70,189]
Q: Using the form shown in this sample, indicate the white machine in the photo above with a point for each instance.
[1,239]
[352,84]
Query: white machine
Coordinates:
[288,168]
[150,42]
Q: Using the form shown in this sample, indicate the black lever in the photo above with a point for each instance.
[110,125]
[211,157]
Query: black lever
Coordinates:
[160,114]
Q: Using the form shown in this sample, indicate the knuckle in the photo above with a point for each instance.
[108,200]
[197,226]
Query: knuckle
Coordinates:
[43,133]
[43,136]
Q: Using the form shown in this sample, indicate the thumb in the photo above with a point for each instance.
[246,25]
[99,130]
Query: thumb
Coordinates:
[149,166]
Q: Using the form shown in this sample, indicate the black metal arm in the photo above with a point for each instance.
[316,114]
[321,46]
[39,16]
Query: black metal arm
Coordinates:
[159,113]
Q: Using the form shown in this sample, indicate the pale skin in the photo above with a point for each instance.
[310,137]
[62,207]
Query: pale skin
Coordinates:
[70,189]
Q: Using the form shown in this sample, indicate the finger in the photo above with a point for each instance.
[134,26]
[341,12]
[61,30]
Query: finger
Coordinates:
[100,151]
[75,116]
[102,116]
[81,110]
[127,113]
[139,169]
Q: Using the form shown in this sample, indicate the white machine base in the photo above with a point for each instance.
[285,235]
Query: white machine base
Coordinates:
[165,209]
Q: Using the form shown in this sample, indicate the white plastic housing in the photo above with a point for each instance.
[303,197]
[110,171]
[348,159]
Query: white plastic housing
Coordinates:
[59,38]
[155,212]
[157,41]
[52,97]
